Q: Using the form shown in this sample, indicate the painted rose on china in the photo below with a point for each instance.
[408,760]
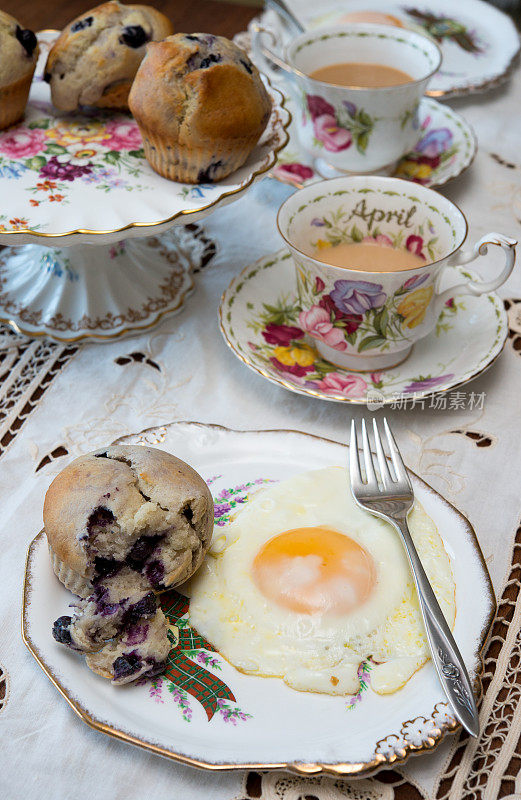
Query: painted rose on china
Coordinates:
[293,172]
[22,142]
[344,384]
[123,135]
[331,134]
[325,125]
[317,323]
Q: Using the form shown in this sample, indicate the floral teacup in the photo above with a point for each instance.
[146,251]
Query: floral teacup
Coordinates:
[370,320]
[358,130]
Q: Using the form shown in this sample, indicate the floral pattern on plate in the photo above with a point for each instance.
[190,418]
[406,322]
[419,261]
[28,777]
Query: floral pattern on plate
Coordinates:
[85,172]
[262,322]
[192,667]
[104,150]
[446,146]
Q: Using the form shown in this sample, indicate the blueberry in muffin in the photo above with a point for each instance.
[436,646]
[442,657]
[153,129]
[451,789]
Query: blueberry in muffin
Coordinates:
[201,107]
[116,603]
[94,60]
[120,628]
[140,652]
[18,57]
[123,524]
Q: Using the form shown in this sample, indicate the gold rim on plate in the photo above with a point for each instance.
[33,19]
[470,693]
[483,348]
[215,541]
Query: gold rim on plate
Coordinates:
[358,769]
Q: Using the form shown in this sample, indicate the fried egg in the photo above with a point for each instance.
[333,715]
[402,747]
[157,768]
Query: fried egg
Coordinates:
[304,585]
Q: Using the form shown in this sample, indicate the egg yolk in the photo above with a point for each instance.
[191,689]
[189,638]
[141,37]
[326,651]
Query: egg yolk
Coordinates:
[314,570]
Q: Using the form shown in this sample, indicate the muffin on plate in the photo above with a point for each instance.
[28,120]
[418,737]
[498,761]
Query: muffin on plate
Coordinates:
[201,107]
[127,505]
[94,60]
[124,523]
[18,57]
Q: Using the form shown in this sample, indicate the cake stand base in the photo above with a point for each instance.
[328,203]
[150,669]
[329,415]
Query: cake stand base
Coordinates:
[96,292]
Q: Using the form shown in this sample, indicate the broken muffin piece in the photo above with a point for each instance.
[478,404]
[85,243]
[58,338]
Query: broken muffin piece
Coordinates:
[124,523]
[115,605]
[140,652]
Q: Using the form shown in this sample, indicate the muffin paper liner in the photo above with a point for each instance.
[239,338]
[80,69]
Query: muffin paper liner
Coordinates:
[13,99]
[186,164]
[72,580]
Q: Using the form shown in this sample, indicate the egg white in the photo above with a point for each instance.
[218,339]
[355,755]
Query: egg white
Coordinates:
[319,652]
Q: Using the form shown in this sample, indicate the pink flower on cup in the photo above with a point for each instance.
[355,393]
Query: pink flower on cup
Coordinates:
[346,385]
[124,135]
[317,323]
[333,137]
[22,142]
[415,245]
[281,335]
[381,239]
[319,285]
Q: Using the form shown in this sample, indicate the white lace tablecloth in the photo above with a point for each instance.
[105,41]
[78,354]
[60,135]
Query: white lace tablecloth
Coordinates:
[57,402]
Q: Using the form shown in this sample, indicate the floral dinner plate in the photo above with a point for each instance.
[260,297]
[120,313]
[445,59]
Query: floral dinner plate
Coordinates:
[260,321]
[446,148]
[204,712]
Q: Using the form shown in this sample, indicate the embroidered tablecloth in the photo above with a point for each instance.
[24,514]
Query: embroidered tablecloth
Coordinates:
[59,401]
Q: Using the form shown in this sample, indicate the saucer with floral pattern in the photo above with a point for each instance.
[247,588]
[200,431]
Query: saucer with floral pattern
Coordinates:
[446,147]
[259,319]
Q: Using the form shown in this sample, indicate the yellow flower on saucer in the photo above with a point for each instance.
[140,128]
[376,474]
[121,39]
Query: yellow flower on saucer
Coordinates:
[414,306]
[321,244]
[301,354]
[411,169]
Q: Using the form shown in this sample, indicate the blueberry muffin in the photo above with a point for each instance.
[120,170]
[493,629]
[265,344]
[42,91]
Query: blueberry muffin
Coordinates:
[208,108]
[94,60]
[127,506]
[122,524]
[18,57]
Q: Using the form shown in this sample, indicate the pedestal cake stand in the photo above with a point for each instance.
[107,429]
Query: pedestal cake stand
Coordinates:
[94,248]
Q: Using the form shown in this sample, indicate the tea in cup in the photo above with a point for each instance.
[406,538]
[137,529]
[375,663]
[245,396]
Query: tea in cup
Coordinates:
[369,253]
[358,87]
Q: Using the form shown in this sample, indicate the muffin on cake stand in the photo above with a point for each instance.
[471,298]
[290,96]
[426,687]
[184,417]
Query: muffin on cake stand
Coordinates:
[95,250]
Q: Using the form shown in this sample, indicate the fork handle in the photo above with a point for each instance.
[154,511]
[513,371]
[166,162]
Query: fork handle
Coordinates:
[446,657]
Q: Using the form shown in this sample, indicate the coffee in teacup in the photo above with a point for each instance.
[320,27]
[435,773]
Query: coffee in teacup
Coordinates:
[359,123]
[361,75]
[366,318]
[370,256]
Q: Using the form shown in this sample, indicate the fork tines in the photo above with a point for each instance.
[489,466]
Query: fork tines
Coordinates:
[388,479]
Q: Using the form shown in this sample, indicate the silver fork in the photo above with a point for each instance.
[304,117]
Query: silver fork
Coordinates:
[391,497]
